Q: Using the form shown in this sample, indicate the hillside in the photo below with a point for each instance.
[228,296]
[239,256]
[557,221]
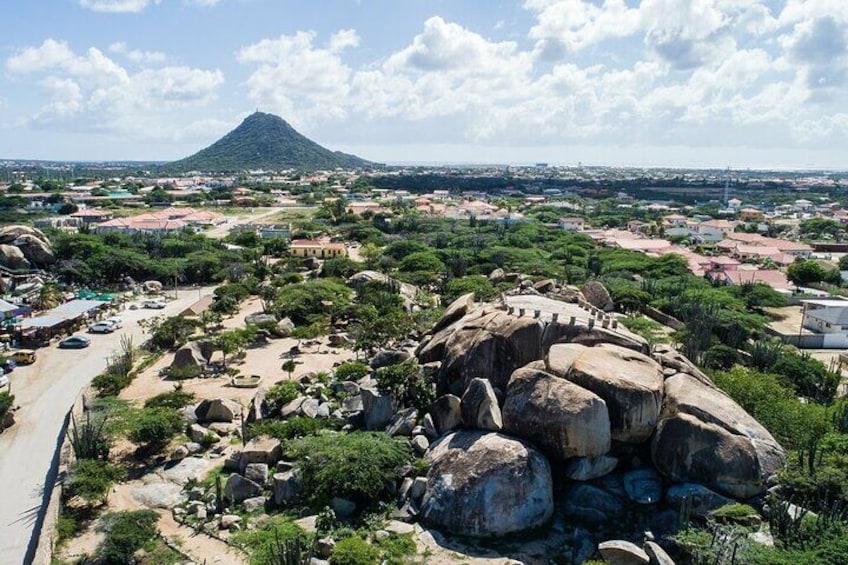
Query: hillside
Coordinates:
[265,141]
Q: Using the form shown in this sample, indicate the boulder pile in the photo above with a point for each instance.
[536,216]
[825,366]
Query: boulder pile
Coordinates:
[23,247]
[536,399]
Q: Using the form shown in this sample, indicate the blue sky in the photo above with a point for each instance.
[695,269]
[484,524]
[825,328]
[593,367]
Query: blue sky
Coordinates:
[741,83]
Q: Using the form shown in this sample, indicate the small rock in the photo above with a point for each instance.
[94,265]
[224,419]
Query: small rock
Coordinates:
[405,486]
[620,552]
[310,407]
[419,487]
[198,433]
[229,520]
[399,528]
[430,427]
[256,472]
[420,444]
[292,407]
[222,428]
[657,554]
[316,561]
[179,453]
[193,447]
[252,504]
[381,535]
[324,547]
[402,423]
[643,486]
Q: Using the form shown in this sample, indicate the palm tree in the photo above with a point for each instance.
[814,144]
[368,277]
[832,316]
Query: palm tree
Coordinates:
[49,296]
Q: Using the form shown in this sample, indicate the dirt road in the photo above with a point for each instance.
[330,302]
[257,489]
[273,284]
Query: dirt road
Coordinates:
[28,450]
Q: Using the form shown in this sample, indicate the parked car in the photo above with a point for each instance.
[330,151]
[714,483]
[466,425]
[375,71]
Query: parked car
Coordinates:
[115,321]
[23,356]
[4,382]
[75,342]
[154,304]
[8,366]
[101,328]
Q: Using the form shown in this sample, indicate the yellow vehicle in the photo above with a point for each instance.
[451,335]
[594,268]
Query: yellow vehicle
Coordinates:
[23,356]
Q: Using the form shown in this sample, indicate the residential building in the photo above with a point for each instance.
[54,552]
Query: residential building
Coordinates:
[572,224]
[314,248]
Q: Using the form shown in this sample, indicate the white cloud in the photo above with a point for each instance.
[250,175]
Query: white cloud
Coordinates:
[137,55]
[91,91]
[117,6]
[576,24]
[343,39]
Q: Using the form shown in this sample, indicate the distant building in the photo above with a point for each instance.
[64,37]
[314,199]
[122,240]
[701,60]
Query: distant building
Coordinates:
[572,224]
[270,231]
[318,249]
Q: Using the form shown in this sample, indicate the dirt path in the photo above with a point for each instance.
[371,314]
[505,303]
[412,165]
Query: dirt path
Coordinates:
[199,546]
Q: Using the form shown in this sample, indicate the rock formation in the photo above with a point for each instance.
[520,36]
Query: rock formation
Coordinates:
[23,247]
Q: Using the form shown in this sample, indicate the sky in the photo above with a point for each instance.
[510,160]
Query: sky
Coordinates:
[687,83]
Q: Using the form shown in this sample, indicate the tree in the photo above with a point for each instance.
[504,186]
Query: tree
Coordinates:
[49,296]
[289,367]
[230,342]
[805,271]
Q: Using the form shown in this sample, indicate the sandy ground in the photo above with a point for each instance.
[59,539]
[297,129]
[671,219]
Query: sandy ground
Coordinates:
[250,215]
[264,361]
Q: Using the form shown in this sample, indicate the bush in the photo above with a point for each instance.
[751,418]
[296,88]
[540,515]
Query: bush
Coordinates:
[155,426]
[281,394]
[354,551]
[261,544]
[91,480]
[407,383]
[292,428]
[351,371]
[174,399]
[183,373]
[7,401]
[396,548]
[110,383]
[356,466]
[89,439]
[126,533]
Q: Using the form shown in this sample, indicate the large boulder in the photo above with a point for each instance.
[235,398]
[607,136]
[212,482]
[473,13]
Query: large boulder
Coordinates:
[409,292]
[562,418]
[260,319]
[8,234]
[705,437]
[629,382]
[590,504]
[239,488]
[491,344]
[455,311]
[260,450]
[486,484]
[622,552]
[217,410]
[189,355]
[288,485]
[378,408]
[154,287]
[37,250]
[597,295]
[446,413]
[13,258]
[479,407]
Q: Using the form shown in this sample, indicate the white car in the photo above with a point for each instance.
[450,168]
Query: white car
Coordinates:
[101,328]
[4,382]
[116,322]
[153,304]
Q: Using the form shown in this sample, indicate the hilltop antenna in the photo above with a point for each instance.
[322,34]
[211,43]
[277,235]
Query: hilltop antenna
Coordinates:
[727,188]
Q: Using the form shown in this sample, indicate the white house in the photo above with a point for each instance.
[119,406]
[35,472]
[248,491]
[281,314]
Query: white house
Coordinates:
[828,317]
[713,231]
[572,224]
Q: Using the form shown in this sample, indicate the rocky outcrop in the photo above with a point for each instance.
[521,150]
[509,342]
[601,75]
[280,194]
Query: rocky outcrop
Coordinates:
[479,407]
[630,383]
[597,295]
[407,291]
[486,484]
[37,250]
[217,410]
[13,258]
[562,418]
[705,437]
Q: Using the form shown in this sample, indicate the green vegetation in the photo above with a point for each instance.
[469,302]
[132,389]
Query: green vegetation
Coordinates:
[126,533]
[355,551]
[7,402]
[154,427]
[356,466]
[262,543]
[351,371]
[91,480]
[407,384]
[281,394]
[292,428]
[174,399]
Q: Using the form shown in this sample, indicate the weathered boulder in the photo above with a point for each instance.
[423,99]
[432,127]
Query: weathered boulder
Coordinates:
[256,472]
[668,357]
[597,295]
[630,383]
[486,484]
[388,357]
[657,554]
[588,468]
[189,355]
[217,410]
[13,258]
[588,503]
[152,286]
[446,413]
[284,327]
[488,343]
[620,552]
[260,319]
[260,450]
[479,407]
[705,437]
[562,418]
[643,486]
[699,500]
[199,433]
[37,250]
[403,422]
[9,234]
[378,408]
[545,286]
[407,291]
[288,486]
[309,407]
[239,488]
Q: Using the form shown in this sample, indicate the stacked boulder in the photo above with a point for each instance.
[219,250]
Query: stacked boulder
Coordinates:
[24,247]
[617,423]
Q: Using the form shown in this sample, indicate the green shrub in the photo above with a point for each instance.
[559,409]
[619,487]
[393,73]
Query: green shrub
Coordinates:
[89,439]
[281,394]
[351,371]
[396,548]
[174,399]
[356,466]
[109,383]
[183,373]
[355,551]
[292,428]
[407,383]
[261,544]
[7,401]
[91,480]
[126,533]
[155,426]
